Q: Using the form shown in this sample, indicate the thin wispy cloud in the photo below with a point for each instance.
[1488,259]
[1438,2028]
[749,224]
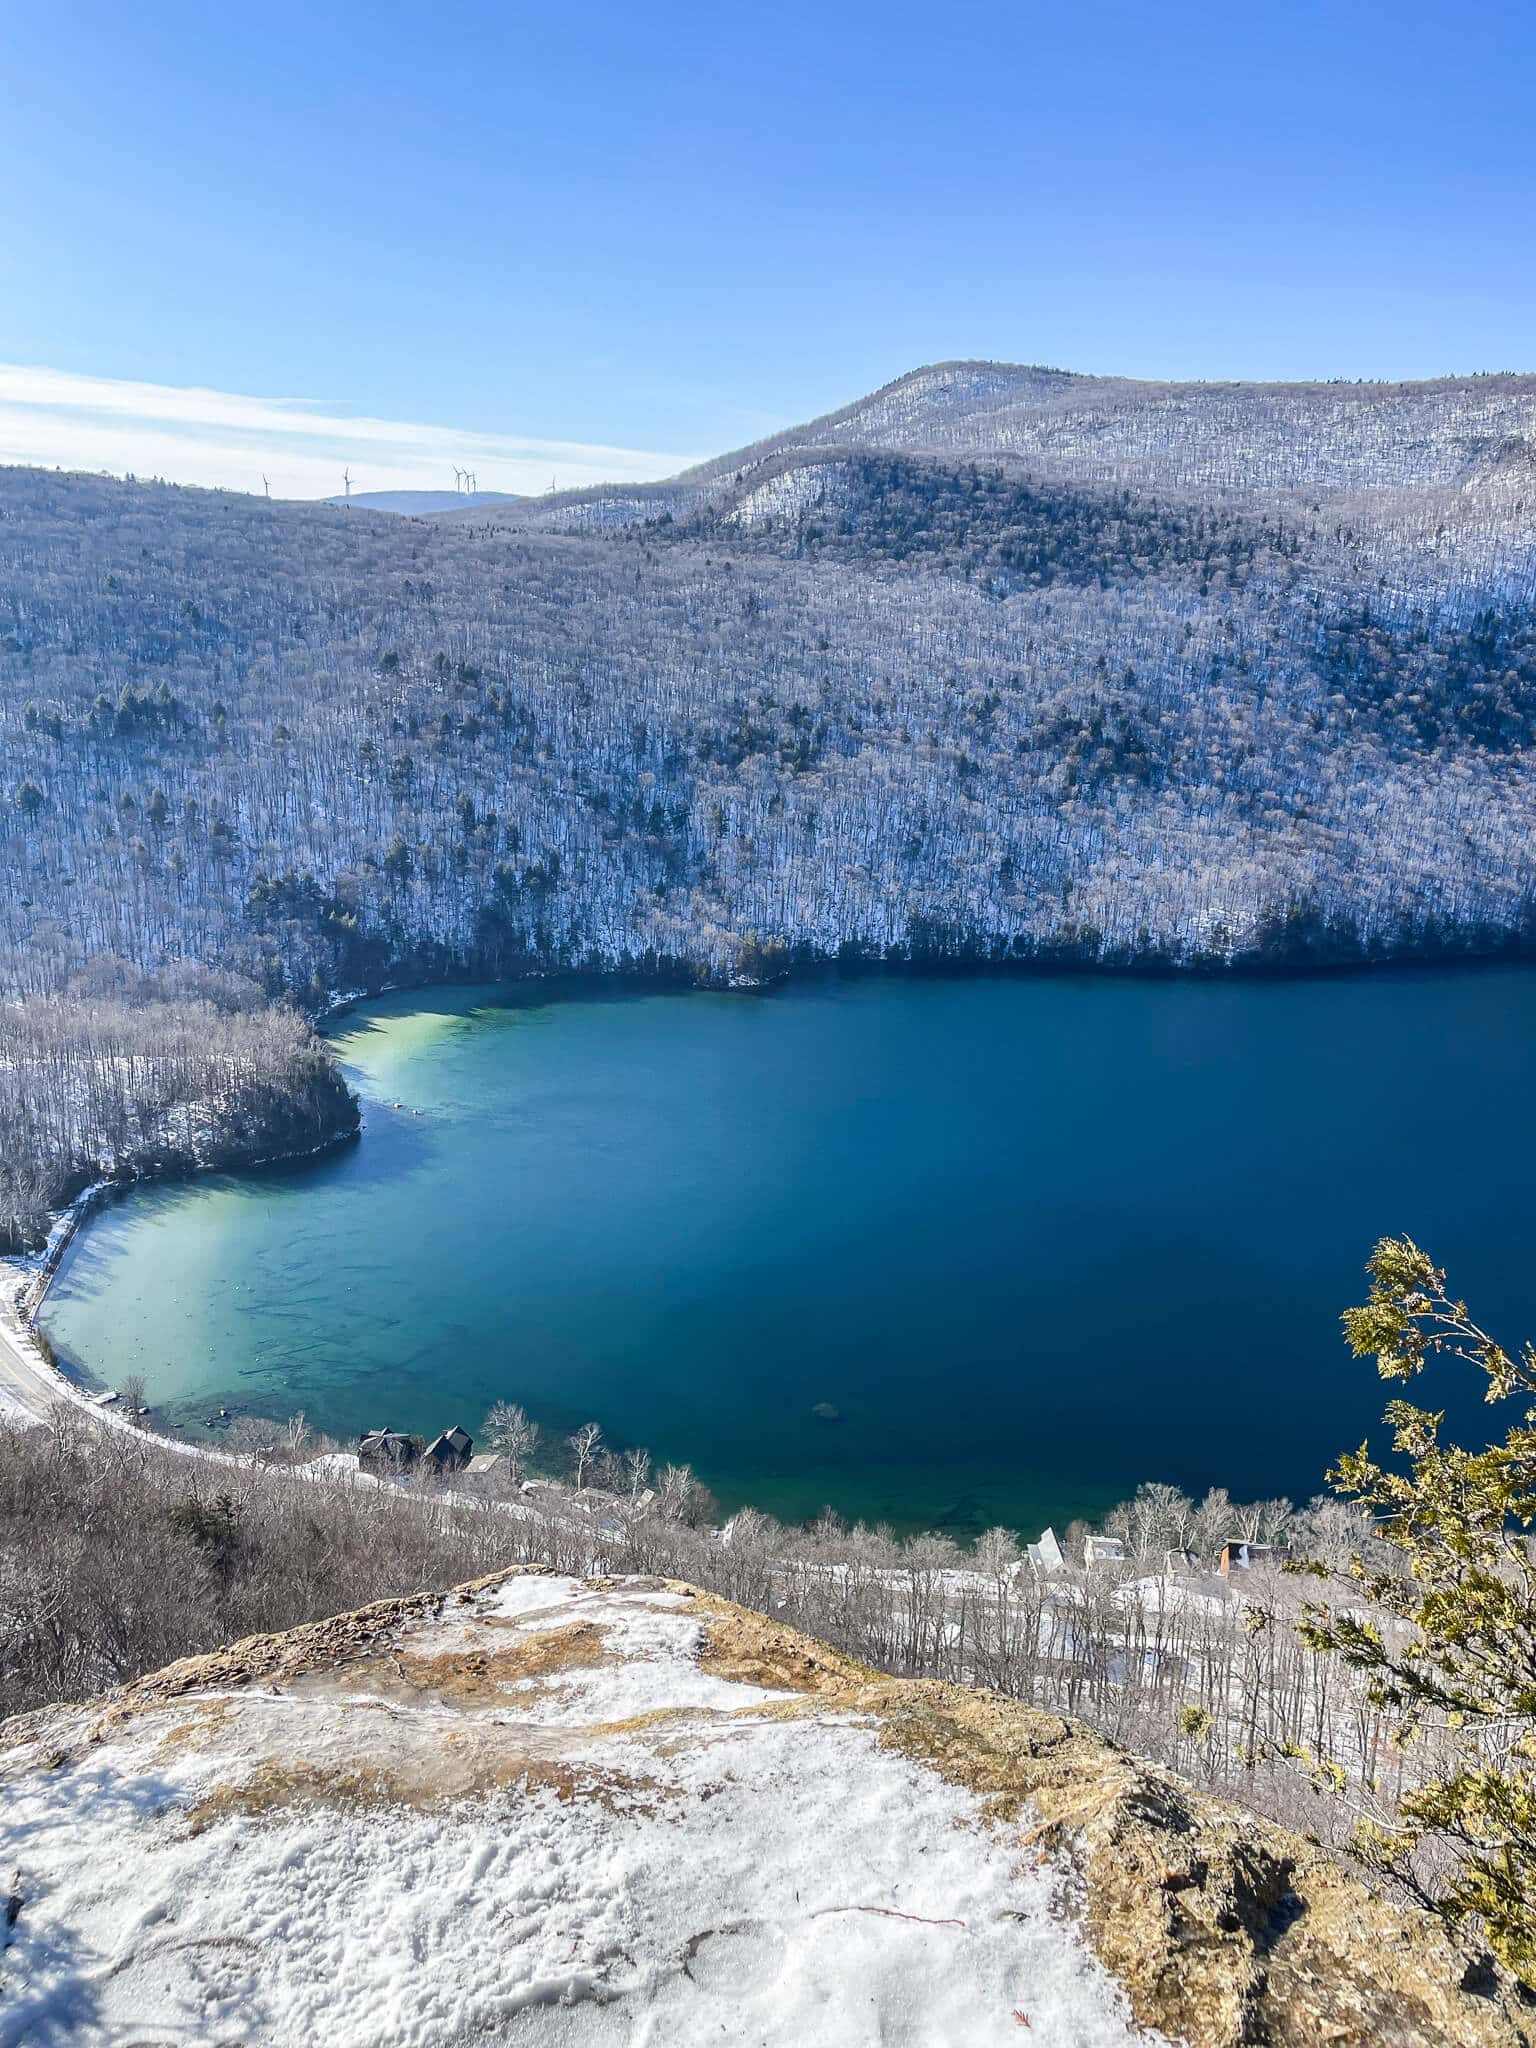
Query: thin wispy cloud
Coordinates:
[55,418]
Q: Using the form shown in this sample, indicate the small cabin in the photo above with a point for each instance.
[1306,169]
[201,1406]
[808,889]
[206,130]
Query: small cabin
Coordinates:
[451,1451]
[1183,1564]
[1249,1557]
[387,1450]
[1046,1555]
[1103,1550]
[484,1465]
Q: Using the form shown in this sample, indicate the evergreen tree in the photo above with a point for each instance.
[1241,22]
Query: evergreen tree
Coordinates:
[1459,1647]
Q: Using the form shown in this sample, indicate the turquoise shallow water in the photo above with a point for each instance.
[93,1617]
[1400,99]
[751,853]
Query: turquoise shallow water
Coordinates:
[1035,1240]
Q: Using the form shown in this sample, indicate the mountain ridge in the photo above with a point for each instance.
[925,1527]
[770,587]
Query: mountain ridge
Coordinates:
[1118,431]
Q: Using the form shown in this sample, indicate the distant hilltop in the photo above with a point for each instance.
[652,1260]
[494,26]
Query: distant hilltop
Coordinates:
[1164,434]
[422,504]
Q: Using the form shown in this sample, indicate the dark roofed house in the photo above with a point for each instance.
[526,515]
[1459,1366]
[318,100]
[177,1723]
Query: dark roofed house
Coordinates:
[451,1451]
[387,1450]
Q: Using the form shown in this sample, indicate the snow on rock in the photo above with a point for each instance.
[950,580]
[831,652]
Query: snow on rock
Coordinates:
[540,1812]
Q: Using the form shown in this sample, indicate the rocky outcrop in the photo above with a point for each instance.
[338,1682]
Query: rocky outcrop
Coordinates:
[540,1809]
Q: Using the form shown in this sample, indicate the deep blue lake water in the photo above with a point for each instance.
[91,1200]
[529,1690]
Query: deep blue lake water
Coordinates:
[1035,1240]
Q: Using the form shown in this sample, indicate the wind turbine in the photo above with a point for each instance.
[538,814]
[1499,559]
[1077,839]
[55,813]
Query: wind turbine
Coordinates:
[346,477]
[458,478]
[266,485]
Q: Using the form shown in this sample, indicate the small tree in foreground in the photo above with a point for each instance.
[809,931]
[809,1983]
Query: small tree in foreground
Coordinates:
[1463,1653]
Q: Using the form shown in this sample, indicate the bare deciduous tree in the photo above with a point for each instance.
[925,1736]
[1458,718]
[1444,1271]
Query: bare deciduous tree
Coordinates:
[584,1446]
[510,1432]
[254,1437]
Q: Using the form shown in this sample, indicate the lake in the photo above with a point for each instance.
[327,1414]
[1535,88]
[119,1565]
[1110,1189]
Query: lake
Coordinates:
[1033,1240]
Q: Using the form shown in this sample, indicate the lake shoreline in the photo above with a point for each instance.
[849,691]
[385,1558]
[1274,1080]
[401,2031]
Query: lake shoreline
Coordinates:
[571,985]
[700,1223]
[53,1375]
[575,985]
[596,984]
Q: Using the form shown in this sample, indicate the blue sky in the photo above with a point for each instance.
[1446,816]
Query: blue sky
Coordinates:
[666,230]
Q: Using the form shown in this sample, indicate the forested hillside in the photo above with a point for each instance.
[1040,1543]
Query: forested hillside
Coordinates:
[127,1076]
[999,664]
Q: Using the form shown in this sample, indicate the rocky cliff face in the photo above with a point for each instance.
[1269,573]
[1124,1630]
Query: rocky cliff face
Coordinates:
[539,1810]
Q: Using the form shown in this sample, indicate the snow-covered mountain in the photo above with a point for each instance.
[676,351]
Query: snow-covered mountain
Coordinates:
[1230,436]
[542,1810]
[1234,439]
[999,663]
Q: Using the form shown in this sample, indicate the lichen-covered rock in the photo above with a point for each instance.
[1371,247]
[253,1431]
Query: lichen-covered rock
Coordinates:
[543,1810]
